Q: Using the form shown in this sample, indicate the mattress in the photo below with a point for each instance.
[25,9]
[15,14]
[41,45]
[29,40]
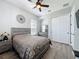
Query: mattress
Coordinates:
[30,47]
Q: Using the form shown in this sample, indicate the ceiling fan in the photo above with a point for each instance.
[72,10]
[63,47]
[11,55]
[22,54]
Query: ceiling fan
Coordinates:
[39,5]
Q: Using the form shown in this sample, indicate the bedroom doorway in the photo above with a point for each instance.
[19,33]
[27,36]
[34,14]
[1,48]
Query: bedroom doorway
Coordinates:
[33,27]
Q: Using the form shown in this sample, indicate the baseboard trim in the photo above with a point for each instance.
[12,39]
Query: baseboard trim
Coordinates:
[76,53]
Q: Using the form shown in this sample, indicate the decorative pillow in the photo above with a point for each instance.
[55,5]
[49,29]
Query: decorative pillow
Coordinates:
[20,33]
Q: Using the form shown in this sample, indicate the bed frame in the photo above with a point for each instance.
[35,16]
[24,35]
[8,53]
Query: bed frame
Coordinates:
[14,31]
[20,31]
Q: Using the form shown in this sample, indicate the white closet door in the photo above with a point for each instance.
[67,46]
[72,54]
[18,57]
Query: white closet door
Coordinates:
[61,29]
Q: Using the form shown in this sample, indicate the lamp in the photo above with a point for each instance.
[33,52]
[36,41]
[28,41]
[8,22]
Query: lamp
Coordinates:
[38,6]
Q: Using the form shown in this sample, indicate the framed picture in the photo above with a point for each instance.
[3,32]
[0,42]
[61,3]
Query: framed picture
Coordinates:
[20,19]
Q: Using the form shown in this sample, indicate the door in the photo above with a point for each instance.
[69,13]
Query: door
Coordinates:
[61,29]
[33,27]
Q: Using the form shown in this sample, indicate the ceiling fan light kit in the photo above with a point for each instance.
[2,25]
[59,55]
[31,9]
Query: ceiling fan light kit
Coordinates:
[38,6]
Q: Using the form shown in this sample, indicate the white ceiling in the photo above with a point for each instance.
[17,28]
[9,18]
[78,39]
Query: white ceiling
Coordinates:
[54,5]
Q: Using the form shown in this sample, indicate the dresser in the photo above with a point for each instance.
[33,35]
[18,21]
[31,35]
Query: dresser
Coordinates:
[44,34]
[5,45]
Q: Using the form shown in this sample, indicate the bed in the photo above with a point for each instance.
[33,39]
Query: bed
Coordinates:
[27,46]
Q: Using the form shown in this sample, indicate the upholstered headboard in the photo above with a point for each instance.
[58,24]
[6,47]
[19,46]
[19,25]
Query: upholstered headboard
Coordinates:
[15,31]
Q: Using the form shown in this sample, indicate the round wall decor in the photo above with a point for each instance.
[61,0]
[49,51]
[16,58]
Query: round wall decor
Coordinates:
[20,19]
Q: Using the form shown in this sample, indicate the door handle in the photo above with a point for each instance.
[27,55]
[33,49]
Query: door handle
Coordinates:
[70,33]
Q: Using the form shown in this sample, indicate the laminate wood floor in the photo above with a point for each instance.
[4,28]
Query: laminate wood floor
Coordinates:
[9,55]
[59,51]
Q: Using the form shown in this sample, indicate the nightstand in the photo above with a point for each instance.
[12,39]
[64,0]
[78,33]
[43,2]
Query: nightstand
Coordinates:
[5,45]
[44,34]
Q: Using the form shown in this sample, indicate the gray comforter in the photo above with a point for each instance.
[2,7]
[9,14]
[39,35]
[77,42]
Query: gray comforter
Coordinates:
[28,46]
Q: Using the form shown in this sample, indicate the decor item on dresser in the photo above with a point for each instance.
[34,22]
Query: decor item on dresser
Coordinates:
[20,19]
[4,36]
[28,46]
[5,43]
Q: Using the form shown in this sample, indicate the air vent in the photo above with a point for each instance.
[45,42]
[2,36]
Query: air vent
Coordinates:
[49,10]
[66,4]
[30,0]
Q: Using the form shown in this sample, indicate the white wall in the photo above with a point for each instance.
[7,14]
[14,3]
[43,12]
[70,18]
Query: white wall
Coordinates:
[76,41]
[8,15]
[55,14]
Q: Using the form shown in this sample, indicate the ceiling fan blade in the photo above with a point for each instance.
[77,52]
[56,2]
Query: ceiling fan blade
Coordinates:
[45,5]
[38,0]
[35,6]
[41,1]
[40,9]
